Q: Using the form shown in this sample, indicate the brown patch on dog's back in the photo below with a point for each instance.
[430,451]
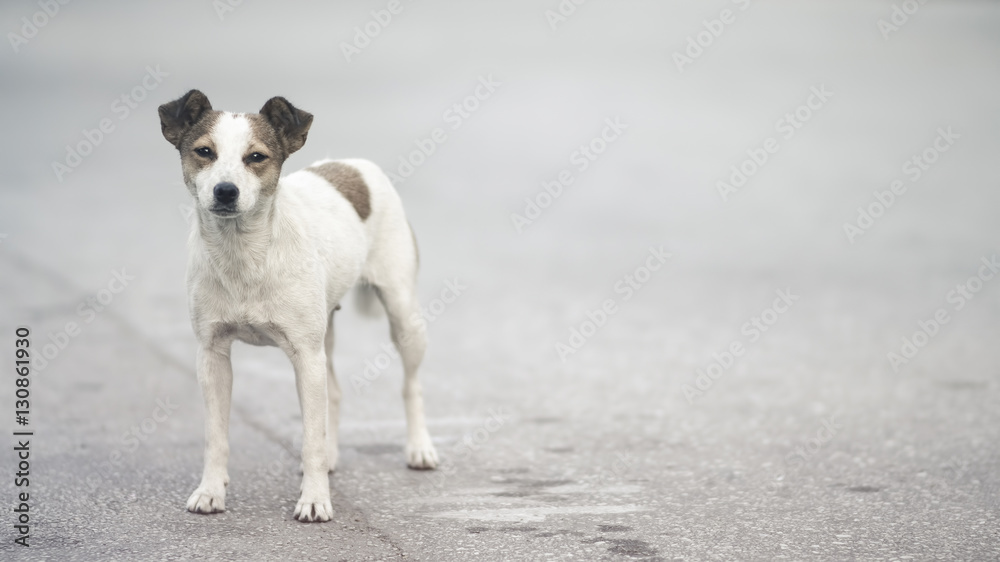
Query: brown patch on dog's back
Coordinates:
[350,184]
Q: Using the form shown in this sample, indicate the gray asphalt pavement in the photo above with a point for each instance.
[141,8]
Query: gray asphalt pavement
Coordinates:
[722,280]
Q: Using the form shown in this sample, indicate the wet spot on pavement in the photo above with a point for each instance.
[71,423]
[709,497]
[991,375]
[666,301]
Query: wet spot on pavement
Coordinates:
[632,547]
[863,489]
[542,483]
[518,529]
[613,528]
[559,532]
[626,547]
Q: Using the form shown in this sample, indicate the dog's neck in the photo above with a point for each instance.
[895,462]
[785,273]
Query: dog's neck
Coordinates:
[238,247]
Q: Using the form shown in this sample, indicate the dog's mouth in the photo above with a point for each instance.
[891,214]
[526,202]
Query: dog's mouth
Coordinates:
[224,212]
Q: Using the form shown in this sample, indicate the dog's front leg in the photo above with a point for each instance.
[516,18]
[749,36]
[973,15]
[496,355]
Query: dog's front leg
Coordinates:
[310,380]
[215,373]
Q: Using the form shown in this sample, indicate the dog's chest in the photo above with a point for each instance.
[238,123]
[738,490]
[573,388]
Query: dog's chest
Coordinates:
[257,312]
[258,322]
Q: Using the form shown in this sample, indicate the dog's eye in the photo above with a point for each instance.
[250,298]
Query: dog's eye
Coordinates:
[204,152]
[257,157]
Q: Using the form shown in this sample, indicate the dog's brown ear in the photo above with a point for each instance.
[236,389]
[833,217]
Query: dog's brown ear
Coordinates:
[291,124]
[178,116]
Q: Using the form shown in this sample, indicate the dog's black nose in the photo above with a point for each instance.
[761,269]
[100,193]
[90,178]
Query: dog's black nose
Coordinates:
[226,193]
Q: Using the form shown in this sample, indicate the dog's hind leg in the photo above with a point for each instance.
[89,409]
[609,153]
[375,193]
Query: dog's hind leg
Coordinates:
[333,393]
[409,334]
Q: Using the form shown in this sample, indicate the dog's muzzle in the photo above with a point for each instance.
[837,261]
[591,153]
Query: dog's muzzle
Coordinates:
[226,194]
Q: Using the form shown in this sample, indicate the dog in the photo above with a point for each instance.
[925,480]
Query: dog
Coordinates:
[271,258]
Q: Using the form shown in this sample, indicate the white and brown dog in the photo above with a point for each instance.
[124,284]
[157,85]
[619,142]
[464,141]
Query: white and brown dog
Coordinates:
[270,260]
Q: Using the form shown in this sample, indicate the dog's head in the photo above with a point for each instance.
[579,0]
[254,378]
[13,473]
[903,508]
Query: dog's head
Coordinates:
[232,161]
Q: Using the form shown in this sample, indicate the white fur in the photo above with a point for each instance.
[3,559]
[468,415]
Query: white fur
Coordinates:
[273,275]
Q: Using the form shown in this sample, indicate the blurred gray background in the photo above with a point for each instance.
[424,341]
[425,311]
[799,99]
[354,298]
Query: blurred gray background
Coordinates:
[812,445]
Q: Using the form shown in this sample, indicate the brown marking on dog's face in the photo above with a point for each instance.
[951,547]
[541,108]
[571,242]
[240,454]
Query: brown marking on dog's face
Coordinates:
[349,183]
[187,124]
[196,137]
[265,141]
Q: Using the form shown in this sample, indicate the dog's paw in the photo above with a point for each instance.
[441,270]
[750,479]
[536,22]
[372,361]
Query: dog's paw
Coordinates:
[206,500]
[420,454]
[309,511]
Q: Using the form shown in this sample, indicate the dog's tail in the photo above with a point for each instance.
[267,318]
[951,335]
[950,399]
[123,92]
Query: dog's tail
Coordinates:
[366,300]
